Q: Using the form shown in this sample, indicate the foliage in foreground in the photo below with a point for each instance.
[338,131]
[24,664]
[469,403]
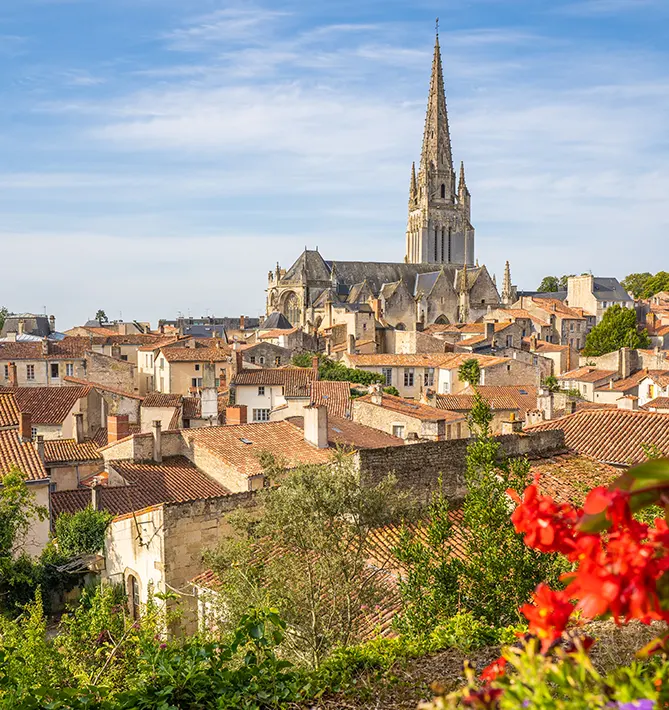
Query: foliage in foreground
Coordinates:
[617,329]
[331,370]
[620,570]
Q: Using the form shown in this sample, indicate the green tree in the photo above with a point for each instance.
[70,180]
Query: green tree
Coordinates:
[617,329]
[470,372]
[3,316]
[308,556]
[495,572]
[330,370]
[549,284]
[636,283]
[564,282]
[657,283]
[82,533]
[101,317]
[551,383]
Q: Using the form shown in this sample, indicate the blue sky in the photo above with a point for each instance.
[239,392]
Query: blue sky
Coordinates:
[159,156]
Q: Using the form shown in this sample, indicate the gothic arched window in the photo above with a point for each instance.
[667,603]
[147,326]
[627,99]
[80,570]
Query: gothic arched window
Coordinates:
[443,191]
[292,309]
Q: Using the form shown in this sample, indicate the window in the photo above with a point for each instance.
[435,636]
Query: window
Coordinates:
[197,368]
[571,327]
[261,391]
[449,433]
[261,415]
[443,191]
[408,376]
[196,382]
[387,373]
[217,381]
[133,596]
[69,369]
[509,341]
[33,433]
[458,431]
[252,359]
[54,370]
[398,430]
[261,360]
[162,363]
[277,361]
[30,372]
[429,377]
[124,358]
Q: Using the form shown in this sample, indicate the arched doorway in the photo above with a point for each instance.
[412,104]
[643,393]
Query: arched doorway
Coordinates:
[441,320]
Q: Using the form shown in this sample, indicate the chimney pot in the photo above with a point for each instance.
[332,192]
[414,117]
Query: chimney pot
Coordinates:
[95,495]
[118,427]
[316,426]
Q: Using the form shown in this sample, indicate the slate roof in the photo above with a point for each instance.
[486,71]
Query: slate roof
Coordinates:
[48,405]
[68,451]
[174,480]
[413,409]
[609,289]
[335,396]
[229,443]
[9,410]
[296,381]
[344,432]
[33,324]
[276,321]
[23,454]
[614,436]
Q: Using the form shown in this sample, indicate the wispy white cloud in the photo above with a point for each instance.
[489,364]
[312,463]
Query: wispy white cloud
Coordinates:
[585,8]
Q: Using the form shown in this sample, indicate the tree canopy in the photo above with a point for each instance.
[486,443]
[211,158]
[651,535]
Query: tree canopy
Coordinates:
[336,371]
[3,316]
[645,284]
[470,372]
[550,284]
[101,317]
[617,329]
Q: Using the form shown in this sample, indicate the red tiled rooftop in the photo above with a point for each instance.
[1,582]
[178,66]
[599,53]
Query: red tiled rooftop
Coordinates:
[344,432]
[296,381]
[68,451]
[587,374]
[335,396]
[157,399]
[412,409]
[22,454]
[9,411]
[48,405]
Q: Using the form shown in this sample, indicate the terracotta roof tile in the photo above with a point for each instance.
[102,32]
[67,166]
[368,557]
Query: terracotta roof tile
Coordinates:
[48,405]
[424,412]
[344,432]
[14,452]
[9,410]
[67,450]
[282,439]
[101,387]
[296,381]
[657,403]
[174,480]
[335,396]
[587,374]
[157,399]
[448,361]
[203,354]
[615,436]
[624,385]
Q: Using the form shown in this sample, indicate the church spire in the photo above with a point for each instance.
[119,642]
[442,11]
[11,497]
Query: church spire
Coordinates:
[506,285]
[413,189]
[436,153]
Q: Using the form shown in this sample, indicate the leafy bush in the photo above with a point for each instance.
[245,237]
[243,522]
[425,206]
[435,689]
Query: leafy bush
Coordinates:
[617,329]
[330,370]
[82,533]
[470,372]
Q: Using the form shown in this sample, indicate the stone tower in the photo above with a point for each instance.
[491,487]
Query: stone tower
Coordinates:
[439,229]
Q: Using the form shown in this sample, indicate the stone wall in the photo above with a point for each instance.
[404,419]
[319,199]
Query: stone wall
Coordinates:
[111,372]
[417,467]
[189,530]
[511,372]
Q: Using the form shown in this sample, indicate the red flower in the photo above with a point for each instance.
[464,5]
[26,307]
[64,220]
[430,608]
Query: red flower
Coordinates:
[549,615]
[547,525]
[484,699]
[494,670]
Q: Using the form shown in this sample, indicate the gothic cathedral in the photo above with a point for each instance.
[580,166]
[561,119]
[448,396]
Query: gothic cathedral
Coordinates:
[439,281]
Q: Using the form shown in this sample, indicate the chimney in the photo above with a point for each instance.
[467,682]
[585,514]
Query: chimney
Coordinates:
[571,406]
[242,322]
[161,329]
[512,425]
[624,363]
[376,395]
[25,426]
[157,441]
[95,494]
[351,344]
[52,324]
[45,346]
[79,427]
[629,402]
[545,403]
[39,447]
[235,414]
[314,367]
[237,362]
[118,427]
[489,330]
[21,327]
[533,342]
[419,326]
[316,426]
[13,378]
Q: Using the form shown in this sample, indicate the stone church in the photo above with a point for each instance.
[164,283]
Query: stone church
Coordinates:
[439,280]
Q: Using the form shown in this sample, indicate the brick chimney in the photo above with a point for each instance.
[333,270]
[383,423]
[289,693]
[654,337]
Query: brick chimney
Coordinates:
[13,378]
[157,441]
[489,330]
[78,427]
[316,426]
[314,367]
[45,346]
[236,414]
[118,427]
[242,322]
[25,426]
[237,362]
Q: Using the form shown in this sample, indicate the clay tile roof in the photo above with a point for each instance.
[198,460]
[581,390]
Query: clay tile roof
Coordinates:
[156,345]
[70,348]
[192,408]
[448,361]
[157,399]
[48,405]
[424,412]
[239,445]
[626,384]
[524,396]
[335,396]
[101,387]
[9,411]
[296,381]
[344,432]
[196,354]
[22,454]
[67,450]
[587,374]
[276,333]
[174,480]
[464,402]
[615,436]
[657,403]
[207,579]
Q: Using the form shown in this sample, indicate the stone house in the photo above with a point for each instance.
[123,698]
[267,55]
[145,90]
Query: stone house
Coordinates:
[566,325]
[596,294]
[586,380]
[266,354]
[42,364]
[408,420]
